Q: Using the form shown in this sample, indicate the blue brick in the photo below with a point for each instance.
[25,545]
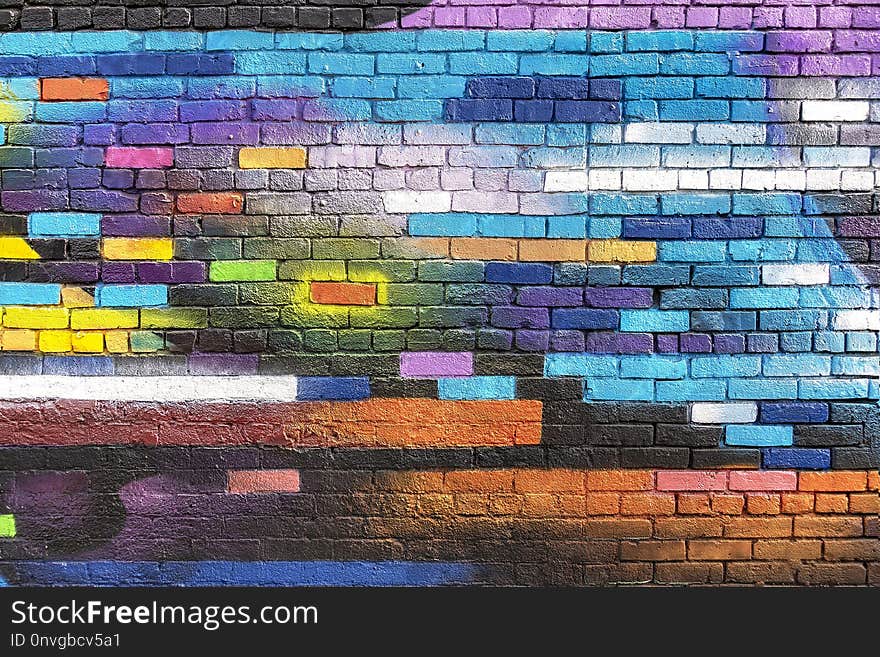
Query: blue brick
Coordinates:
[285,62]
[654,321]
[764,250]
[692,251]
[613,65]
[130,64]
[151,88]
[173,41]
[390,41]
[533,111]
[21,88]
[606,42]
[240,40]
[482,109]
[200,64]
[477,387]
[428,86]
[794,320]
[829,341]
[522,134]
[520,40]
[794,412]
[484,63]
[554,64]
[727,227]
[730,87]
[450,40]
[572,88]
[756,204]
[660,88]
[725,365]
[584,318]
[18,66]
[676,391]
[64,224]
[728,41]
[641,110]
[74,112]
[856,365]
[333,388]
[623,204]
[694,64]
[657,228]
[763,343]
[566,135]
[411,64]
[797,365]
[796,458]
[617,390]
[140,110]
[78,365]
[35,43]
[775,297]
[66,65]
[570,41]
[132,296]
[518,272]
[337,64]
[652,275]
[29,294]
[753,111]
[660,40]
[547,158]
[567,226]
[856,341]
[115,41]
[653,367]
[694,110]
[586,111]
[758,436]
[510,225]
[577,364]
[763,388]
[723,276]
[309,40]
[287,86]
[690,204]
[604,227]
[796,342]
[408,110]
[443,225]
[606,89]
[833,389]
[336,109]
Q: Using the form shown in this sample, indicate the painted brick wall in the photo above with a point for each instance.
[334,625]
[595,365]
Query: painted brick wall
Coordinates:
[593,302]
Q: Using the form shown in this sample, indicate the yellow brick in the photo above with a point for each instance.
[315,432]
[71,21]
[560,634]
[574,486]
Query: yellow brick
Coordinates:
[55,341]
[18,340]
[88,341]
[117,341]
[621,251]
[138,248]
[272,158]
[76,297]
[100,318]
[42,317]
[16,248]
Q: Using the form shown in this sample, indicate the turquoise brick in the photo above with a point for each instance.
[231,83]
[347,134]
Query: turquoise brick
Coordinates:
[64,224]
[793,342]
[763,297]
[856,365]
[694,110]
[623,204]
[340,109]
[110,41]
[654,321]
[363,87]
[240,40]
[769,250]
[547,158]
[641,110]
[728,41]
[308,41]
[730,87]
[617,390]
[571,41]
[692,251]
[158,87]
[688,204]
[573,364]
[520,40]
[797,365]
[174,41]
[74,112]
[678,391]
[567,226]
[763,388]
[483,63]
[829,341]
[794,226]
[724,366]
[753,111]
[759,436]
[450,224]
[510,225]
[657,88]
[694,64]
[132,296]
[340,63]
[477,387]
[660,40]
[261,63]
[834,297]
[408,110]
[860,341]
[833,389]
[653,367]
[605,133]
[411,63]
[389,41]
[554,64]
[29,294]
[758,204]
[523,134]
[291,86]
[566,134]
[35,43]
[606,42]
[431,86]
[613,65]
[604,227]
[450,40]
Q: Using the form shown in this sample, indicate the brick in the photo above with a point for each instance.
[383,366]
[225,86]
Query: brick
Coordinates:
[728,504]
[818,574]
[788,550]
[840,481]
[693,527]
[719,550]
[347,294]
[652,551]
[863,503]
[796,503]
[772,480]
[262,481]
[74,89]
[763,504]
[137,248]
[753,527]
[647,504]
[602,504]
[617,528]
[686,480]
[750,572]
[483,248]
[620,480]
[272,158]
[863,549]
[561,250]
[689,573]
[827,526]
[545,481]
[831,503]
[486,481]
[694,504]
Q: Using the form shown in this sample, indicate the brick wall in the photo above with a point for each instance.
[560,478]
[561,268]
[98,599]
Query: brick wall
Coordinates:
[590,302]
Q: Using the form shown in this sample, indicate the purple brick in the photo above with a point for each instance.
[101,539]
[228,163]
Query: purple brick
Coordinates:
[793,412]
[657,228]
[64,272]
[606,89]
[103,201]
[117,272]
[772,65]
[501,87]
[435,364]
[567,341]
[226,133]
[534,111]
[131,64]
[570,88]
[727,228]
[134,225]
[99,135]
[619,297]
[296,134]
[33,201]
[479,109]
[587,111]
[117,178]
[619,18]
[212,110]
[514,317]
[584,318]
[154,272]
[858,227]
[276,109]
[763,343]
[620,343]
[836,65]
[799,42]
[667,344]
[695,343]
[188,272]
[729,344]
[158,203]
[529,340]
[223,363]
[154,133]
[549,296]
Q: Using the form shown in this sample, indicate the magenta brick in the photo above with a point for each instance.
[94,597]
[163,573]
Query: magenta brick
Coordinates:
[429,364]
[138,158]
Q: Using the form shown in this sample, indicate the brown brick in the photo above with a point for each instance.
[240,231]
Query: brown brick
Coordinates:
[652,551]
[436,504]
[647,504]
[833,481]
[864,503]
[728,503]
[789,550]
[860,549]
[797,503]
[719,550]
[760,572]
[479,481]
[471,504]
[764,504]
[618,528]
[694,504]
[689,573]
[752,527]
[572,505]
[822,526]
[603,504]
[832,502]
[687,527]
[622,573]
[873,480]
[832,573]
[874,574]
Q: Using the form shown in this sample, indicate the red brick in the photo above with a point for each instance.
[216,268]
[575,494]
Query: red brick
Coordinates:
[767,480]
[210,203]
[262,481]
[719,550]
[834,481]
[691,480]
[343,294]
[652,551]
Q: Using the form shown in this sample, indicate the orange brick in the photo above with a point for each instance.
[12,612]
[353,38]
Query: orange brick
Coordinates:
[790,550]
[694,504]
[469,504]
[647,504]
[410,481]
[483,248]
[652,551]
[505,504]
[343,294]
[760,572]
[623,480]
[262,481]
[715,550]
[436,504]
[751,527]
[822,526]
[796,503]
[210,203]
[728,504]
[833,481]
[618,528]
[544,505]
[479,481]
[572,505]
[859,549]
[873,480]
[74,89]
[541,250]
[832,502]
[549,481]
[833,574]
[602,504]
[687,527]
[864,503]
[763,504]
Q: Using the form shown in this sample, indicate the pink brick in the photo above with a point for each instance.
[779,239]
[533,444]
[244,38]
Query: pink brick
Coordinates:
[514,17]
[262,481]
[702,17]
[481,17]
[669,18]
[449,17]
[616,18]
[428,364]
[768,480]
[138,158]
[691,480]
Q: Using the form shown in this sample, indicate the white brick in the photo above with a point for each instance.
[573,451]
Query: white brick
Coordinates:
[647,180]
[731,133]
[411,156]
[804,274]
[150,388]
[412,201]
[605,179]
[693,179]
[837,156]
[332,157]
[658,133]
[823,179]
[566,181]
[791,179]
[726,179]
[857,320]
[857,181]
[711,413]
[758,180]
[482,201]
[835,110]
[458,178]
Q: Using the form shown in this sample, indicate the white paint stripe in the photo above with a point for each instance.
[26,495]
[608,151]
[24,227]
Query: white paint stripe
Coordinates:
[150,388]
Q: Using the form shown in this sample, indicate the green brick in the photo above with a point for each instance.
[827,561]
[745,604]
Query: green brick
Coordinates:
[423,339]
[398,271]
[355,340]
[328,270]
[268,294]
[243,270]
[383,317]
[389,340]
[310,317]
[451,316]
[411,294]
[459,340]
[7,525]
[453,272]
[244,317]
[341,248]
[146,341]
[322,340]
[277,248]
[207,248]
[161,318]
[479,294]
[285,342]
